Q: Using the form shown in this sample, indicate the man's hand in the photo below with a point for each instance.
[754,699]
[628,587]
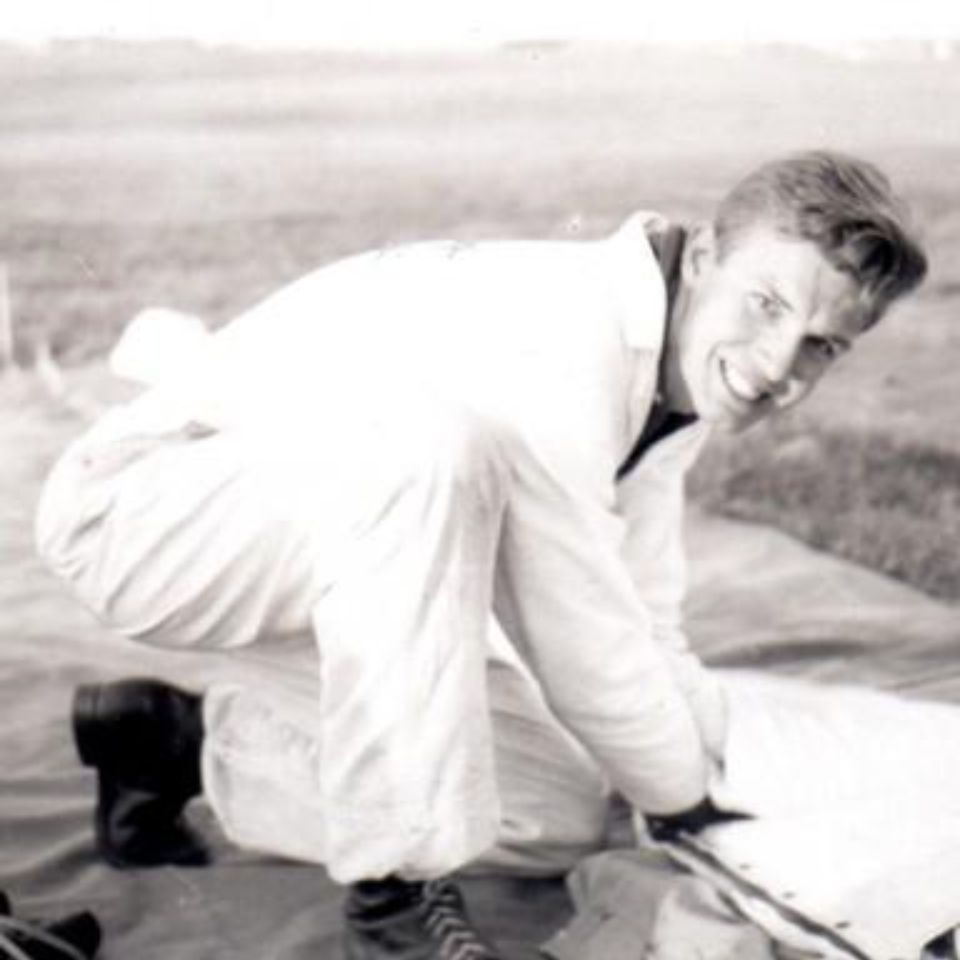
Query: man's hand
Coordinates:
[663,829]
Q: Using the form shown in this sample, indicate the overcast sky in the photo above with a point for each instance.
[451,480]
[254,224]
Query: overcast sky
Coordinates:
[413,23]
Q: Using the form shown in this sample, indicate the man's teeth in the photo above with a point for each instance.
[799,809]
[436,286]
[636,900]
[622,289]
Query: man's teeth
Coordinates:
[740,386]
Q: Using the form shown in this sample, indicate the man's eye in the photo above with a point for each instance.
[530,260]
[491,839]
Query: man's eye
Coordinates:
[765,304]
[824,348]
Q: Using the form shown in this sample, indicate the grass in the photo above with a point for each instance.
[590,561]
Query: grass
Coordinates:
[890,505]
[133,176]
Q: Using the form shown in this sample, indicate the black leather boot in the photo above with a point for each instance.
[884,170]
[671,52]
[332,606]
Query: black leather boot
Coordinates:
[394,919]
[143,738]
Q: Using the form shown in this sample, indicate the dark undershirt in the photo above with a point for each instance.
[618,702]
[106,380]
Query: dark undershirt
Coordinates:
[661,421]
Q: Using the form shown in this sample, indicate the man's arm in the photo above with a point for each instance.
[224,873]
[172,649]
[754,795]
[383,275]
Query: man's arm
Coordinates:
[565,598]
[651,499]
[550,367]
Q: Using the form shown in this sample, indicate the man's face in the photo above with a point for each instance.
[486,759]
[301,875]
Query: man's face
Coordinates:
[754,332]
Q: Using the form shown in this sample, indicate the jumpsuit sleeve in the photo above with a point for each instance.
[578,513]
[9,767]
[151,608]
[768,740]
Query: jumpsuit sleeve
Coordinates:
[566,599]
[564,593]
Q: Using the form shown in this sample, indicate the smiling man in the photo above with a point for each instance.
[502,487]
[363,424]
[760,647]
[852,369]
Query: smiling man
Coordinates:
[782,285]
[419,455]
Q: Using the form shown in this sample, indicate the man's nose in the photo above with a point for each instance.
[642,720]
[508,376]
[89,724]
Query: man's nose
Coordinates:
[777,354]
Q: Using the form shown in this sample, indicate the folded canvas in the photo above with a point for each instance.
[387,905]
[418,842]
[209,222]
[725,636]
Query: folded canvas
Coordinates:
[853,848]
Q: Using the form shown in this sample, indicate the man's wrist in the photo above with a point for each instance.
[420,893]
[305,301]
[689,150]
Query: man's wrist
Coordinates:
[666,827]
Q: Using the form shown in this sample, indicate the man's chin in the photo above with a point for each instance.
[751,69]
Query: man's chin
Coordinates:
[737,421]
[727,413]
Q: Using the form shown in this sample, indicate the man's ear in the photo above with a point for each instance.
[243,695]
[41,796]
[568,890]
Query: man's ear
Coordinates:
[699,252]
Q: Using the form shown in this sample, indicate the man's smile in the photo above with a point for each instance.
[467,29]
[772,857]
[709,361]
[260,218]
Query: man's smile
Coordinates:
[740,386]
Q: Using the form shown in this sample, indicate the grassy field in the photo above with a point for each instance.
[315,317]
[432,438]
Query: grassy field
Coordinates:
[202,179]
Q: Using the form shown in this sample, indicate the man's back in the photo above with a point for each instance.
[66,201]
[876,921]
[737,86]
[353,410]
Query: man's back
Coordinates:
[528,334]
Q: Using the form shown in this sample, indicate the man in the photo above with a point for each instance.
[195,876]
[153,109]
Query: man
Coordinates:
[399,445]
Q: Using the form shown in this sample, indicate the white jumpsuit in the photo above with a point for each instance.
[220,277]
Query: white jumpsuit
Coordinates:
[408,452]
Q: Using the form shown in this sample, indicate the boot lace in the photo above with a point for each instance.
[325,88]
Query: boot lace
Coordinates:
[445,919]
